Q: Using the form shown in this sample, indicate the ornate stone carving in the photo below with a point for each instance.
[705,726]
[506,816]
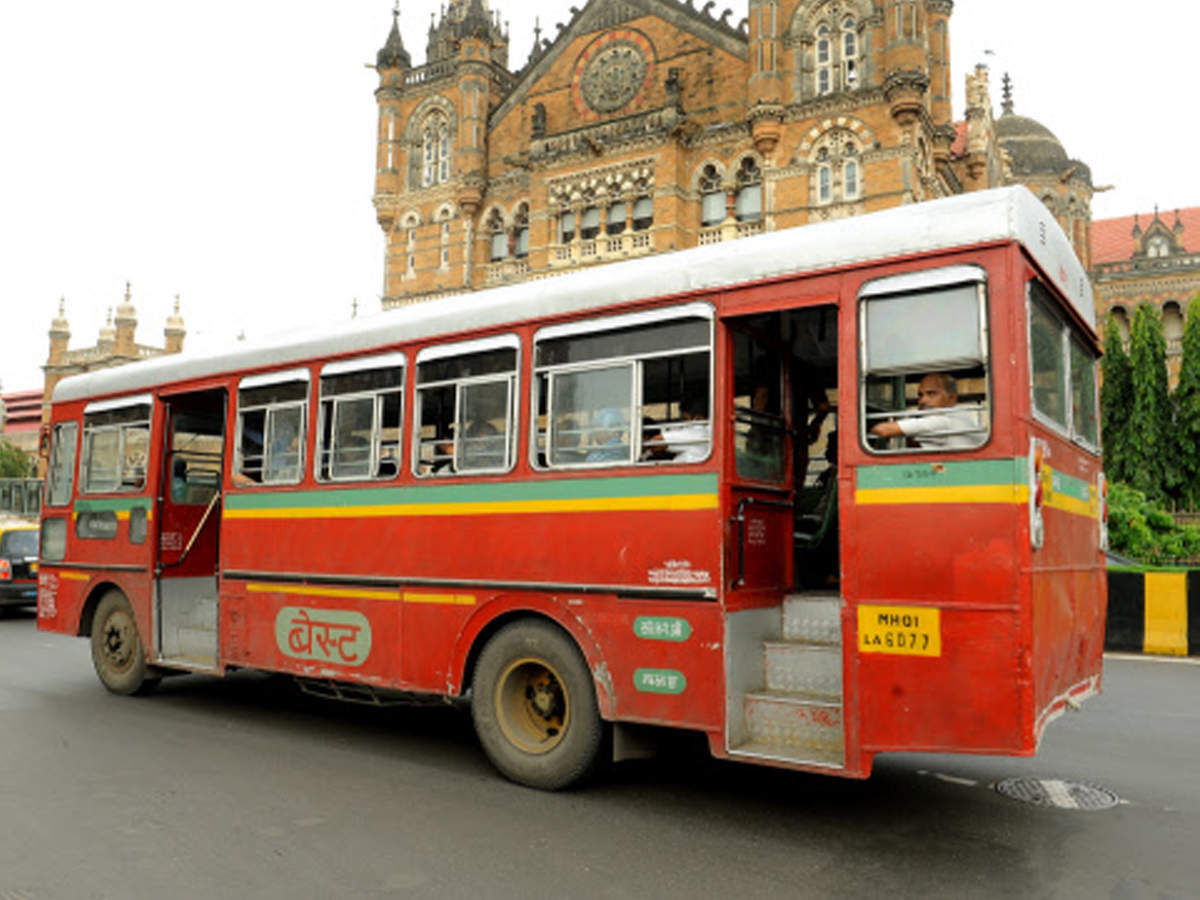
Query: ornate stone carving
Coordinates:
[613,76]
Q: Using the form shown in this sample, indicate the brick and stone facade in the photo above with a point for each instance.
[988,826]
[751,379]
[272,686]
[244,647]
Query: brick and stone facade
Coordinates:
[643,126]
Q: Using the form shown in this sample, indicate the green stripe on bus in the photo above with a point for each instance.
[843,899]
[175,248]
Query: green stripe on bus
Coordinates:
[1071,486]
[112,504]
[474,493]
[970,473]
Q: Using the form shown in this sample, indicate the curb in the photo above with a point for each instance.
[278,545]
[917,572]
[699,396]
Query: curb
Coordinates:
[1154,612]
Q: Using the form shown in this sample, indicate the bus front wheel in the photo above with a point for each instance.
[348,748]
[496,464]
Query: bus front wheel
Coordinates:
[534,707]
[117,652]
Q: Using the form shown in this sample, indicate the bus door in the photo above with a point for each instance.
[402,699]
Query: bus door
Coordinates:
[188,527]
[784,480]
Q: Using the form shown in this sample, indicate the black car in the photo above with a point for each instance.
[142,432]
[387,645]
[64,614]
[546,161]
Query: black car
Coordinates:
[18,565]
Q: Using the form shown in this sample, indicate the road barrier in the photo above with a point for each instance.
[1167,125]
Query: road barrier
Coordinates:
[1154,611]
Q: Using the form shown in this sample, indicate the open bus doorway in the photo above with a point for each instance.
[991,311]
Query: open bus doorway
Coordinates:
[188,530]
[785,403]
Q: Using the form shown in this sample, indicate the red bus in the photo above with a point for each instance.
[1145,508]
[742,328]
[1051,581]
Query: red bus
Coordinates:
[820,494]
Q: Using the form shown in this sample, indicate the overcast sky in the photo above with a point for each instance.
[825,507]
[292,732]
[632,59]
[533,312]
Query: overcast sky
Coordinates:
[224,151]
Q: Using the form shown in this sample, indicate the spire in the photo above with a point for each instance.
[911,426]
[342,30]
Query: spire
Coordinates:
[175,331]
[1137,226]
[108,334]
[1178,228]
[393,55]
[1006,105]
[59,324]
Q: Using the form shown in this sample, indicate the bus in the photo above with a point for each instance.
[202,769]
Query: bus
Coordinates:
[818,494]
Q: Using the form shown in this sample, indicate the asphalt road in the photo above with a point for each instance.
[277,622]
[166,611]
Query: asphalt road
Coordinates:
[242,788]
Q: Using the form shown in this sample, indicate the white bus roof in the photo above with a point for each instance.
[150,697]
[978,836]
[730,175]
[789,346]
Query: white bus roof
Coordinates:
[1003,214]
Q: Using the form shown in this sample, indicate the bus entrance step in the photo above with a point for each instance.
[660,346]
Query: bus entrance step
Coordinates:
[807,668]
[794,726]
[814,618]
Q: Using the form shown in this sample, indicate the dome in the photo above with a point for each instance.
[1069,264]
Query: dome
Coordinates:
[1033,147]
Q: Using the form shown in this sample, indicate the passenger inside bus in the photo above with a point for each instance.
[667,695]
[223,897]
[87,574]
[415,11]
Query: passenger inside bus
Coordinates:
[957,429]
[608,437]
[687,441]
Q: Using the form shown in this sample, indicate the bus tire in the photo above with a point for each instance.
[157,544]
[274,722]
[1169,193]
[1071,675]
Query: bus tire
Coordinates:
[534,707]
[117,652]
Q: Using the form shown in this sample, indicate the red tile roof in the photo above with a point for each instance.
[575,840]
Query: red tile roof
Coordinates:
[1112,239]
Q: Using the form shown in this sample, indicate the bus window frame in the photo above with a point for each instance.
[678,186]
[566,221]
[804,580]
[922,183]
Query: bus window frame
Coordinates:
[911,283]
[373,363]
[619,322]
[85,450]
[56,445]
[512,378]
[268,379]
[1068,332]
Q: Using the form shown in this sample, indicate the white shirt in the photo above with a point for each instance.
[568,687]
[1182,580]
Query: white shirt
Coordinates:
[954,429]
[688,441]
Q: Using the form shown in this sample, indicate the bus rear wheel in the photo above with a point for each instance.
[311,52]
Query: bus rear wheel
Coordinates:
[534,707]
[117,651]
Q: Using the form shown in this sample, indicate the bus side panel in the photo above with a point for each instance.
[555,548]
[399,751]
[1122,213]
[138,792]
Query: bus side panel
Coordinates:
[657,548]
[341,633]
[966,688]
[1069,586]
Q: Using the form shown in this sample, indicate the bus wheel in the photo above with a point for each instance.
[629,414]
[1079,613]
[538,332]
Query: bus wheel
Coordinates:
[117,648]
[534,707]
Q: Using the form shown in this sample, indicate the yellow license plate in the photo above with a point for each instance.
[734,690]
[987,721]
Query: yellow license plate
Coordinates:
[901,630]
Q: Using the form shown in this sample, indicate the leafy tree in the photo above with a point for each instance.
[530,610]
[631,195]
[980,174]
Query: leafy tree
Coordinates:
[1154,471]
[1143,531]
[1116,399]
[1187,411]
[13,463]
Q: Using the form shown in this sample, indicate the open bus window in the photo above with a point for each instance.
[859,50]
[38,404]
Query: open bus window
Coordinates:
[625,390]
[61,473]
[272,417]
[195,458]
[465,399]
[116,445]
[360,418]
[1062,371]
[925,379]
[759,426]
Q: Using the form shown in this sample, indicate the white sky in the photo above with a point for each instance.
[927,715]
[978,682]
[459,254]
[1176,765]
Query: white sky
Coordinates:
[224,151]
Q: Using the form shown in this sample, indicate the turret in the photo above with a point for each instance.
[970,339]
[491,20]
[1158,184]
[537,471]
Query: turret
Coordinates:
[126,322]
[765,87]
[60,335]
[174,332]
[905,63]
[392,62]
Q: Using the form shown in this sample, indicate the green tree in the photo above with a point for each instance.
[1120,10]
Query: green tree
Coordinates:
[1187,411]
[1145,532]
[1116,399]
[13,463]
[1154,471]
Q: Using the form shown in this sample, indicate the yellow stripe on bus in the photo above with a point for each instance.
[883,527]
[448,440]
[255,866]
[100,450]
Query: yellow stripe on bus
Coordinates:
[978,493]
[1070,504]
[600,504]
[75,576]
[316,591]
[445,599]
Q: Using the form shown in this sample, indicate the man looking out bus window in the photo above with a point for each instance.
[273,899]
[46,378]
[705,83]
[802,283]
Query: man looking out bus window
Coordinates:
[955,430]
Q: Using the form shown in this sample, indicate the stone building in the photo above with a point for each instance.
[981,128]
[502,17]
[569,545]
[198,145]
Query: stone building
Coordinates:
[641,126]
[1134,263]
[115,347]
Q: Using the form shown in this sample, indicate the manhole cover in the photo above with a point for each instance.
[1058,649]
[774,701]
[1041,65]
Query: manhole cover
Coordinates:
[1057,793]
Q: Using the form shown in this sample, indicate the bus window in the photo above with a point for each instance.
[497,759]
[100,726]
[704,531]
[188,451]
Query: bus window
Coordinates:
[272,419]
[464,412]
[925,380]
[759,429]
[61,474]
[361,403]
[116,444]
[628,389]
[195,456]
[1063,371]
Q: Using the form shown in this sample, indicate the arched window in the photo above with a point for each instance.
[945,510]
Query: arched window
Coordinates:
[1121,318]
[1158,246]
[837,169]
[824,67]
[521,232]
[747,204]
[643,213]
[444,219]
[1172,324]
[849,53]
[615,218]
[498,238]
[566,226]
[712,197]
[435,139]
